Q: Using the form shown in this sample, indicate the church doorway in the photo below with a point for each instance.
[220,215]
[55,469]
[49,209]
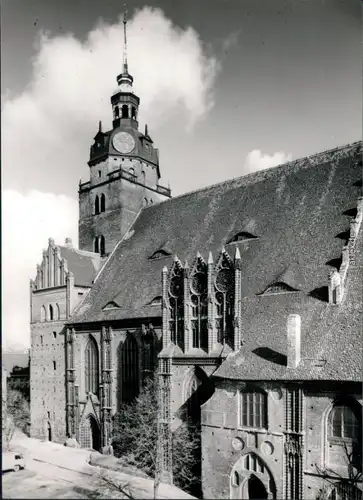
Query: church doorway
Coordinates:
[49,431]
[256,488]
[90,436]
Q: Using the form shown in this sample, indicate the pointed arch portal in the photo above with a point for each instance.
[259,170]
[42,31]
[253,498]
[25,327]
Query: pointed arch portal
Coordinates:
[250,478]
[90,436]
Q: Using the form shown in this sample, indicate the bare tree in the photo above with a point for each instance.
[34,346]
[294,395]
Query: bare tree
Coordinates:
[345,486]
[135,439]
[17,415]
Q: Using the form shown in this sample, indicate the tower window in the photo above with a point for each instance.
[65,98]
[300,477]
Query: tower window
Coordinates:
[51,312]
[103,202]
[99,173]
[54,365]
[96,245]
[55,335]
[125,111]
[97,205]
[117,112]
[102,245]
[133,113]
[41,340]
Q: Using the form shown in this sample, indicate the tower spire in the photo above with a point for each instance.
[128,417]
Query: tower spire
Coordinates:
[125,66]
[124,79]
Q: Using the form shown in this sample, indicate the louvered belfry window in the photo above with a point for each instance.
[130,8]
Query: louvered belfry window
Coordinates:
[176,304]
[91,367]
[253,409]
[199,307]
[224,299]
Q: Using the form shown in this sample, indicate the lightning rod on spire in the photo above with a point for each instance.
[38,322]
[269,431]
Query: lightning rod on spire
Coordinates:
[125,41]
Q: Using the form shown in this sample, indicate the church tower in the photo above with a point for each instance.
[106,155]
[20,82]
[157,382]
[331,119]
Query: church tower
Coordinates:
[124,172]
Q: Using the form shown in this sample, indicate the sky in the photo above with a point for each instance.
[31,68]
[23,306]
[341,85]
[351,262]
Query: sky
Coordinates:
[227,87]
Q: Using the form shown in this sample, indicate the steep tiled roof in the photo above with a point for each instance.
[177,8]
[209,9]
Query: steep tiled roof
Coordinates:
[84,265]
[295,210]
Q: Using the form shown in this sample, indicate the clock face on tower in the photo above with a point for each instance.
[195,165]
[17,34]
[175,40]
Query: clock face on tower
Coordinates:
[123,142]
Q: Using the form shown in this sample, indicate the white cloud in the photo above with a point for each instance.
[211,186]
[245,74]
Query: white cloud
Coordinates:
[46,131]
[27,223]
[255,160]
[50,125]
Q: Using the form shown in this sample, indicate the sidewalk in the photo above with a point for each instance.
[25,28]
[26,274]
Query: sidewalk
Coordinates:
[77,460]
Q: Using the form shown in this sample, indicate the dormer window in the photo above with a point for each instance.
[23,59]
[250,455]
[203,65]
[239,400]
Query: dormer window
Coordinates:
[159,254]
[242,236]
[156,301]
[111,305]
[279,287]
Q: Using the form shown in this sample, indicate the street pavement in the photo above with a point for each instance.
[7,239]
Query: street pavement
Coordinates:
[56,471]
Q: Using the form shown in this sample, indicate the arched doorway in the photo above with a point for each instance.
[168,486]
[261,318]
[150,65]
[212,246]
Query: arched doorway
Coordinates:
[251,478]
[256,488]
[128,371]
[90,436]
[49,431]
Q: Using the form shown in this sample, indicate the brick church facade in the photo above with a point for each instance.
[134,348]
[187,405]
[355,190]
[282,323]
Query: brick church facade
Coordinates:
[245,295]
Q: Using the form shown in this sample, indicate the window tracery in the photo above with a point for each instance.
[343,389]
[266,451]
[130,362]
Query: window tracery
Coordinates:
[176,306]
[224,299]
[199,305]
[91,367]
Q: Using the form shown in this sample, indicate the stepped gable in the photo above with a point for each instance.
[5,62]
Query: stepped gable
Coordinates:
[295,211]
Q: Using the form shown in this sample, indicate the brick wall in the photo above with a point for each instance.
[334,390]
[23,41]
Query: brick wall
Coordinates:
[224,441]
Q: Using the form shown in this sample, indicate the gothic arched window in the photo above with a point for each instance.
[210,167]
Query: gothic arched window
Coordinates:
[149,353]
[96,245]
[176,307]
[103,202]
[57,312]
[51,313]
[128,370]
[224,299]
[345,491]
[133,113]
[97,205]
[345,422]
[91,367]
[117,112]
[199,309]
[125,111]
[102,245]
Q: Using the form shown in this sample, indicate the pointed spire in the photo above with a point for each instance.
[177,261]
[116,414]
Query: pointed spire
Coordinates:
[100,126]
[210,258]
[125,66]
[146,131]
[237,255]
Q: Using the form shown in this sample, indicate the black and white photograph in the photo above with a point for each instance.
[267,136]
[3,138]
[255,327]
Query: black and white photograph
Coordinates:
[182,265]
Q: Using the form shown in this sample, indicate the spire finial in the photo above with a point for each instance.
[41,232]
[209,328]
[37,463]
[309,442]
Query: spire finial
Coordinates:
[125,41]
[100,126]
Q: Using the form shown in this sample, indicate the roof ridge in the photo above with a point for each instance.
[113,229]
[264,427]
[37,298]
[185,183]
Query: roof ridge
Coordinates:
[263,172]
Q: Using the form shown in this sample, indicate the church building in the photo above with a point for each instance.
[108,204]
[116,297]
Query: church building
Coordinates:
[245,295]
